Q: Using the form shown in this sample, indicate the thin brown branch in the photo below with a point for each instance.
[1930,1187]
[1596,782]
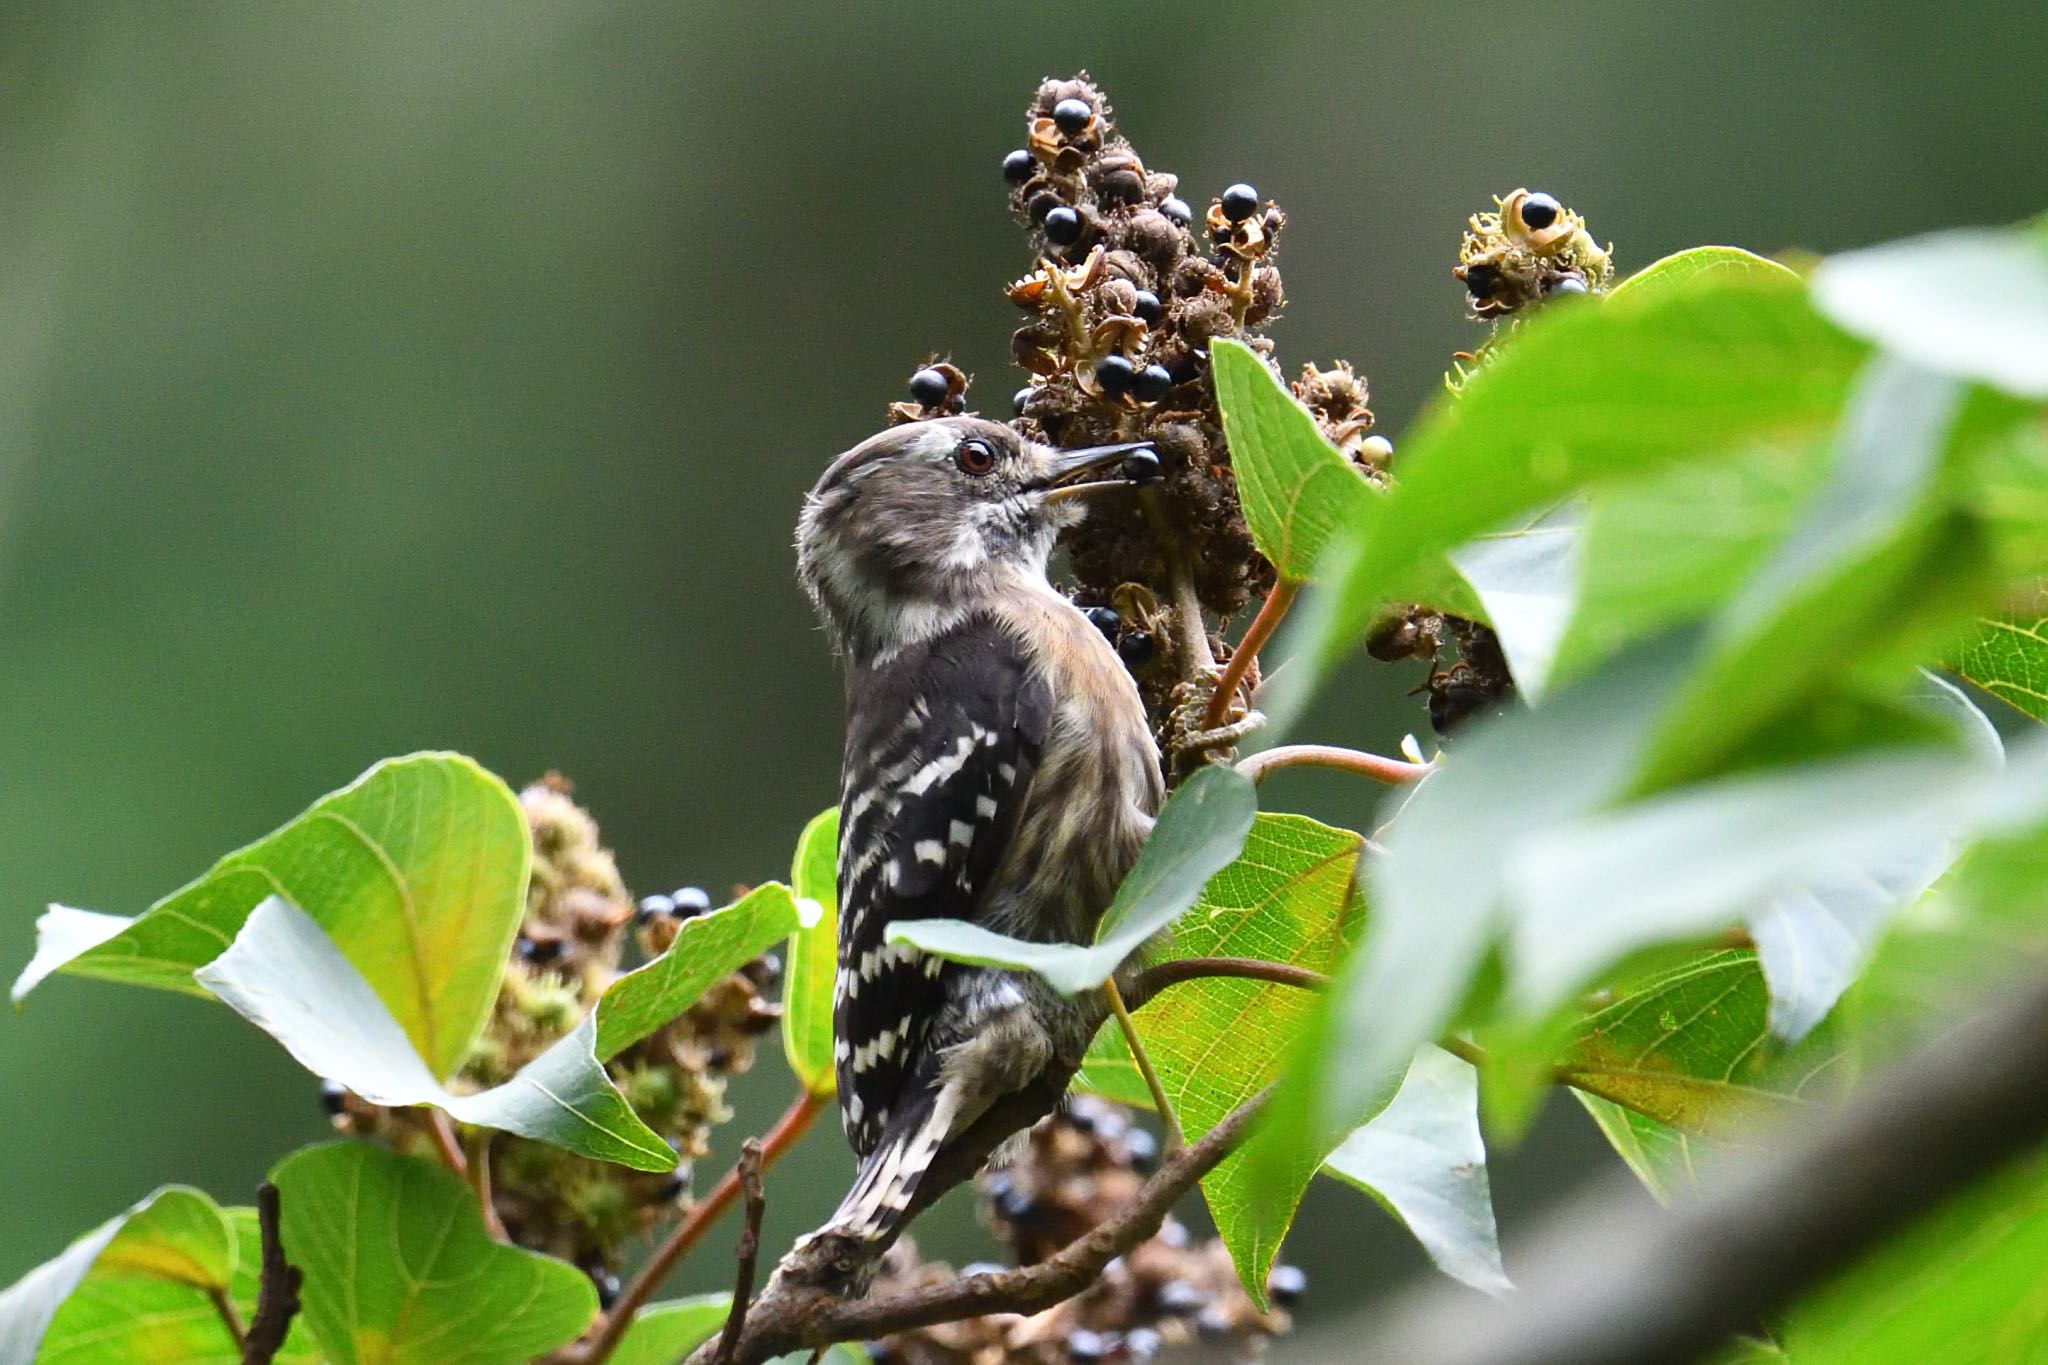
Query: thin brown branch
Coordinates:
[1271,613]
[1192,643]
[446,1143]
[230,1318]
[1602,1285]
[1154,979]
[1175,1139]
[480,1180]
[277,1286]
[749,1253]
[793,1317]
[795,1121]
[1389,770]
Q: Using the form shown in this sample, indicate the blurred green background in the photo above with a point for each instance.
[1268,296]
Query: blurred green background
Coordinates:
[394,376]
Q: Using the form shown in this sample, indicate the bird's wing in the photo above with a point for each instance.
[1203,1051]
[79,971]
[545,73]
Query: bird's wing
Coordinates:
[940,753]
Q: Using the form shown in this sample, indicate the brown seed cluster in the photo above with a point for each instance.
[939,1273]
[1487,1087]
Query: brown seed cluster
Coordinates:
[1173,1298]
[1530,248]
[572,944]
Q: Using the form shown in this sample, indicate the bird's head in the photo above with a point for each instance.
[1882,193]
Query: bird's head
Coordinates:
[910,529]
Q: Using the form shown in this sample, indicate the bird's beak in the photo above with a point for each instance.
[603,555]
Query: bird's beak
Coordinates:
[1072,470]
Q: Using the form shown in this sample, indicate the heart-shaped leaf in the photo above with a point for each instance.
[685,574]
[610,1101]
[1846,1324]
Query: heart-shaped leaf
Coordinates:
[399,1269]
[1297,490]
[1202,828]
[417,871]
[663,1333]
[137,1287]
[284,975]
[1687,268]
[813,957]
[1290,896]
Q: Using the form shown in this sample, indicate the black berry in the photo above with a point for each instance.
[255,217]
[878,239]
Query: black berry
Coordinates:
[1153,383]
[1176,210]
[1565,284]
[655,907]
[538,951]
[671,1188]
[1042,203]
[333,1098]
[764,971]
[981,1268]
[1071,115]
[1141,466]
[1137,649]
[1240,202]
[1181,1298]
[1539,210]
[1016,1206]
[1286,1285]
[1020,398]
[1103,619]
[1143,1343]
[718,1059]
[1085,1347]
[1141,1149]
[607,1287]
[1214,1323]
[1063,226]
[929,388]
[880,1352]
[1115,374]
[1018,166]
[689,901]
[1147,308]
[1480,280]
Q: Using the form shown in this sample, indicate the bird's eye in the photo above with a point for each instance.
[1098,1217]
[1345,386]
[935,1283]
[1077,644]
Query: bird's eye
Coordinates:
[975,457]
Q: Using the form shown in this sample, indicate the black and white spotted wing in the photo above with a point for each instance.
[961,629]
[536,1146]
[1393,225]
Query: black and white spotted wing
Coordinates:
[946,737]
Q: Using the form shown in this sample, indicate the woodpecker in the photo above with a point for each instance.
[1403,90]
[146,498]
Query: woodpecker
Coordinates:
[998,769]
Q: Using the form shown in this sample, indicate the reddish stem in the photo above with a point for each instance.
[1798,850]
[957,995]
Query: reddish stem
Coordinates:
[779,1139]
[1271,613]
[1390,770]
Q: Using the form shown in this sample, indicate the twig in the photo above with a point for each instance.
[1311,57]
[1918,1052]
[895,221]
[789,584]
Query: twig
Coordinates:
[792,1125]
[1390,770]
[446,1143]
[480,1178]
[1153,980]
[230,1318]
[1175,1139]
[1605,1286]
[1271,613]
[277,1286]
[789,1318]
[749,1249]
[1195,660]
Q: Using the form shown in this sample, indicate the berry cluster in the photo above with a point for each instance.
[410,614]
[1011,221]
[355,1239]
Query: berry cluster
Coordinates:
[1528,249]
[1170,1299]
[572,943]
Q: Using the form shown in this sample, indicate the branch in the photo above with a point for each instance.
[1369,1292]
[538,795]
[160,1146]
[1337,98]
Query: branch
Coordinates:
[277,1287]
[1393,771]
[1150,982]
[1271,613]
[749,1249]
[446,1143]
[793,1317]
[783,1136]
[1609,1287]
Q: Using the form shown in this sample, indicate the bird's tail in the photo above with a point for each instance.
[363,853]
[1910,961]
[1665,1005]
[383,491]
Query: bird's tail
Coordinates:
[874,1210]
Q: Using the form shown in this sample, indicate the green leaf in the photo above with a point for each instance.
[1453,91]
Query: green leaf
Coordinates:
[1583,397]
[1297,490]
[285,976]
[417,871]
[1961,1286]
[1291,897]
[399,1269]
[663,1333]
[168,1251]
[1667,1161]
[1692,1049]
[1971,303]
[1436,904]
[1878,535]
[2009,659]
[1424,1159]
[1202,828]
[1688,268]
[813,957]
[706,948]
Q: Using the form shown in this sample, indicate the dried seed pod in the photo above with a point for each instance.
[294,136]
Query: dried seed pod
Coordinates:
[1528,248]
